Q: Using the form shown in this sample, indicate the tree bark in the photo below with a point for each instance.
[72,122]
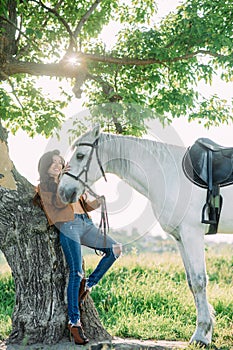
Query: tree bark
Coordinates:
[38,267]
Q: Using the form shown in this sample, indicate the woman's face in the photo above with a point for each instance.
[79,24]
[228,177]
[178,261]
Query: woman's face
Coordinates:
[56,167]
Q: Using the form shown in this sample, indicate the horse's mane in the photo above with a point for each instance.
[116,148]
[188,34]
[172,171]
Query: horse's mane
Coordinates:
[152,146]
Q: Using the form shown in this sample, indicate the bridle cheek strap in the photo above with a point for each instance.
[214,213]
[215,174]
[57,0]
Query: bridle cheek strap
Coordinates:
[104,223]
[85,169]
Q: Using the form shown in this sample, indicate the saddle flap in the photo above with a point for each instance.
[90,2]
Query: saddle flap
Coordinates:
[190,172]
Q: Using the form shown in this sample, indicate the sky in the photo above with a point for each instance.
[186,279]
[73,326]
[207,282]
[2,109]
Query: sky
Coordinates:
[25,152]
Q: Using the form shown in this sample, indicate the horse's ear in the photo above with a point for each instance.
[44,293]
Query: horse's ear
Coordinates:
[96,131]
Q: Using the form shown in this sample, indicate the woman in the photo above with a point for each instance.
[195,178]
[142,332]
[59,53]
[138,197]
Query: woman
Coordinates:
[76,228]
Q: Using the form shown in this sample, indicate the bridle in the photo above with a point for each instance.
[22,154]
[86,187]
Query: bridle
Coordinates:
[104,224]
[94,147]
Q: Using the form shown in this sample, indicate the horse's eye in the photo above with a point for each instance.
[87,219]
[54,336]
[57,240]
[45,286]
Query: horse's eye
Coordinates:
[79,156]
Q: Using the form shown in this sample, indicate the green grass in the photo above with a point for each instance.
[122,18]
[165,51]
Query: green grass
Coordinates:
[146,297]
[7,295]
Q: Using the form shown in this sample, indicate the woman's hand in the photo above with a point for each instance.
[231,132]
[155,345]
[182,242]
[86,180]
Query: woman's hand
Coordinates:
[66,169]
[92,205]
[100,200]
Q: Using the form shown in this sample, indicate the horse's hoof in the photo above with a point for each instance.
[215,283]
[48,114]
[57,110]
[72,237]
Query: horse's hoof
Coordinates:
[199,343]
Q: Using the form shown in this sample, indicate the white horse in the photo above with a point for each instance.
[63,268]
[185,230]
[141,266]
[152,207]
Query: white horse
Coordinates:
[155,170]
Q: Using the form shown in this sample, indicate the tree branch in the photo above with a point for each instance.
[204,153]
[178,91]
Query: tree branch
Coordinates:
[15,26]
[61,19]
[55,8]
[50,69]
[106,87]
[85,18]
[15,94]
[20,31]
[144,62]
[66,70]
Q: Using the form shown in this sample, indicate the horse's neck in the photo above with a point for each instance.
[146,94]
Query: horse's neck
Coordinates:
[132,159]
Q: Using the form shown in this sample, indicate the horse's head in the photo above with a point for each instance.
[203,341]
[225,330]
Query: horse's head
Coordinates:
[84,167]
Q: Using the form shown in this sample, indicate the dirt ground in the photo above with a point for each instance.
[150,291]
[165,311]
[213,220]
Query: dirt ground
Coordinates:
[116,343]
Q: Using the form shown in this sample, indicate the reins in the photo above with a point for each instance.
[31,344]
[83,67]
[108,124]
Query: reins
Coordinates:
[104,223]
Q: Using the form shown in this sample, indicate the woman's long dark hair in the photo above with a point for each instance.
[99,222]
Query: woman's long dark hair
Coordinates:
[47,182]
[43,166]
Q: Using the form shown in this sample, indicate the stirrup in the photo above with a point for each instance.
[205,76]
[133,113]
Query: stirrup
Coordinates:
[206,215]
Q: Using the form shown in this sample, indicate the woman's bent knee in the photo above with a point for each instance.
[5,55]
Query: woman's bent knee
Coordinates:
[117,250]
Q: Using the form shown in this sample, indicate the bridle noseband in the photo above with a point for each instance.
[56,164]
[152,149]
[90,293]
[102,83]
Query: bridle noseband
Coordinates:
[94,147]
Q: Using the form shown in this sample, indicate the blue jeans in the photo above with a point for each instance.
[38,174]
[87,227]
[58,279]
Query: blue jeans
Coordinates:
[73,234]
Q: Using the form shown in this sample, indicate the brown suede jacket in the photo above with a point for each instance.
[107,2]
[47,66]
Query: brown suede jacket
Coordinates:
[55,210]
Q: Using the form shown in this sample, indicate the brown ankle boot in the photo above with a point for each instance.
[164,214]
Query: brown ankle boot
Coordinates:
[78,334]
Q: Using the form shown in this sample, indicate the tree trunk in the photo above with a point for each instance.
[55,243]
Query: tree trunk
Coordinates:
[35,257]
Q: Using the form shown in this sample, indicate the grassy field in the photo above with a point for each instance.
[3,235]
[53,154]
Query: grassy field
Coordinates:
[146,296]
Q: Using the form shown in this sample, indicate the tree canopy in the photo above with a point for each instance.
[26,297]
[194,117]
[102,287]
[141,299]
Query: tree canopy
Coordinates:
[154,64]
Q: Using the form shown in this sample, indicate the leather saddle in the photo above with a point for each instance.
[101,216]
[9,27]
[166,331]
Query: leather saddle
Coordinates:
[210,166]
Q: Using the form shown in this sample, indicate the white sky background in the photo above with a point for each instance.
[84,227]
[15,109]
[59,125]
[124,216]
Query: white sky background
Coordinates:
[25,152]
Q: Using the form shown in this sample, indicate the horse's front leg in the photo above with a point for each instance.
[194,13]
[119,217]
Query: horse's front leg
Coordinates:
[191,245]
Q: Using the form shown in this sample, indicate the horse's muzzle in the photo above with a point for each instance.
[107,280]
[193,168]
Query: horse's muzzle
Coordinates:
[67,195]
